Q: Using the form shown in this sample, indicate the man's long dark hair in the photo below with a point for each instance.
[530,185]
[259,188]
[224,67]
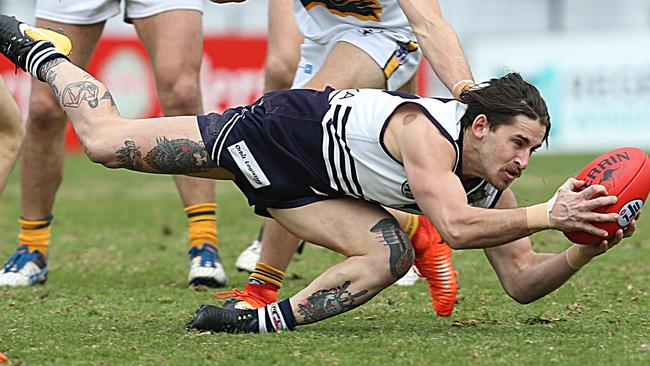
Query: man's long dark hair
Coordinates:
[504,98]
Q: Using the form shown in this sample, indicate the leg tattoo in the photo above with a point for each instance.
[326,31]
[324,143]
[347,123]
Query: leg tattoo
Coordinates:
[46,68]
[129,156]
[82,91]
[401,250]
[179,156]
[325,303]
[108,96]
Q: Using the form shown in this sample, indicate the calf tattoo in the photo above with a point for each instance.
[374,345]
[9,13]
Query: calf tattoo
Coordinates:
[401,250]
[109,96]
[325,303]
[129,156]
[75,94]
[178,156]
[50,75]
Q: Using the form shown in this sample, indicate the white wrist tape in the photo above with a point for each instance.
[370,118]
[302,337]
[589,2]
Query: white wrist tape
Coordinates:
[575,258]
[461,86]
[537,217]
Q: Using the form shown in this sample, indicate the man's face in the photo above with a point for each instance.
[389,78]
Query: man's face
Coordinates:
[506,149]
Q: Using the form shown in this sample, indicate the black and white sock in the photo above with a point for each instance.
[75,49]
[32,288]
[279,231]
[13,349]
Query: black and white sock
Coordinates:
[38,55]
[276,317]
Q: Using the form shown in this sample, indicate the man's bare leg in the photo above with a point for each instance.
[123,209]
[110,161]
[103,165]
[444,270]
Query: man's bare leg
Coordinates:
[365,233]
[116,142]
[11,133]
[174,43]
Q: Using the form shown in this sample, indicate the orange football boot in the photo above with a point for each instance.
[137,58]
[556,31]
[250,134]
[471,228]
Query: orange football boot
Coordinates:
[433,262]
[252,297]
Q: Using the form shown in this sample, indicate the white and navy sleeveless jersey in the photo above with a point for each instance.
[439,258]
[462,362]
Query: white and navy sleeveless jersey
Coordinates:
[359,164]
[295,147]
[319,20]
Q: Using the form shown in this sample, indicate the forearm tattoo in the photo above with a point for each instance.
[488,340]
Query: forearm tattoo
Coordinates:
[325,303]
[401,250]
[129,156]
[178,156]
[75,94]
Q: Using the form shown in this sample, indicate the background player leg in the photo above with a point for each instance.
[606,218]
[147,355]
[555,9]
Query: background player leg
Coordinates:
[174,42]
[11,133]
[42,163]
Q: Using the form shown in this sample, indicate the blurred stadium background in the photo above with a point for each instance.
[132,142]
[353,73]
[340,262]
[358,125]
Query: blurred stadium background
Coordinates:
[590,58]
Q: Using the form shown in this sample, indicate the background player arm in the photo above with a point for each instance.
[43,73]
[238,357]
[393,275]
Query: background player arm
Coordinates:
[438,41]
[428,160]
[527,276]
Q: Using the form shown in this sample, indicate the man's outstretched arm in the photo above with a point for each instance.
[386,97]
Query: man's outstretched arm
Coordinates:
[441,196]
[526,275]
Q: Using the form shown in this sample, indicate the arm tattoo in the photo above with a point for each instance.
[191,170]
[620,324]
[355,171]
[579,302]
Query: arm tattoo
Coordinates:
[129,156]
[178,156]
[325,303]
[82,91]
[401,250]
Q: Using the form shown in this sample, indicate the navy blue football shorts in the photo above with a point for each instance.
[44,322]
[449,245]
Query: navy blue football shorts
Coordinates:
[273,147]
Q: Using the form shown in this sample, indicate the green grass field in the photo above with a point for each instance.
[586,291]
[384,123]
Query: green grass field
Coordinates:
[117,291]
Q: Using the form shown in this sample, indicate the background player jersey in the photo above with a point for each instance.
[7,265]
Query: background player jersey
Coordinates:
[319,20]
[358,163]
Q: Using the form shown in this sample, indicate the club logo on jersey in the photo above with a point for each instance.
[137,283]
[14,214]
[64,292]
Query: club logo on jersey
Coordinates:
[476,196]
[307,68]
[406,190]
[369,31]
[367,10]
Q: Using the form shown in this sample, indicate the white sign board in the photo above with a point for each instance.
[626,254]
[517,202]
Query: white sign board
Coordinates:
[597,86]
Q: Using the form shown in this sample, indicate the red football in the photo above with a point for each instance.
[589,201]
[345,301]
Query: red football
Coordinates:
[625,172]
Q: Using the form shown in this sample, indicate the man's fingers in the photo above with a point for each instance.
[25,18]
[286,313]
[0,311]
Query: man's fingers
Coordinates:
[630,229]
[591,229]
[600,217]
[601,201]
[618,236]
[571,184]
[594,190]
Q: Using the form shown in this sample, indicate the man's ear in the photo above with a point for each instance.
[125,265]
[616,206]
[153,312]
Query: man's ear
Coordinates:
[480,126]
